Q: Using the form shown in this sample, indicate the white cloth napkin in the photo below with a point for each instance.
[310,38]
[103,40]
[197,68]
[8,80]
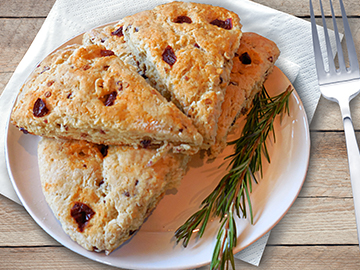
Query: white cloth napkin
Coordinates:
[69,18]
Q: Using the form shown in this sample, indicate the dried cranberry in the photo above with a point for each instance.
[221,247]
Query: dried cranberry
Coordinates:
[227,24]
[245,58]
[86,67]
[110,98]
[23,130]
[127,194]
[271,59]
[169,56]
[39,109]
[145,143]
[104,53]
[45,69]
[120,86]
[82,214]
[101,182]
[104,150]
[50,83]
[118,32]
[182,19]
[197,45]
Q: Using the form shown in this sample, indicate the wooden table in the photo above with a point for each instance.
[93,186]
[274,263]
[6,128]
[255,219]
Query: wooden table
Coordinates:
[318,232]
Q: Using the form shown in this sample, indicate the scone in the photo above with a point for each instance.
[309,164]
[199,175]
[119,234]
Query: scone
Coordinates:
[101,195]
[253,62]
[185,51]
[88,93]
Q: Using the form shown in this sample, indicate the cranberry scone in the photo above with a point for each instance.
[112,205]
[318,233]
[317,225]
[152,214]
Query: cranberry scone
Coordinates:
[253,62]
[88,93]
[185,51]
[102,194]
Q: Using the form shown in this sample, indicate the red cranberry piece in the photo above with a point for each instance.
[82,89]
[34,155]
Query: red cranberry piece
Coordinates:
[39,109]
[118,32]
[227,24]
[82,214]
[182,19]
[145,143]
[23,130]
[105,53]
[45,69]
[169,56]
[104,150]
[110,98]
[245,58]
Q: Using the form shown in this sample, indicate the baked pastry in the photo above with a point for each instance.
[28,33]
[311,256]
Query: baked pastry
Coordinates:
[253,62]
[102,195]
[185,51]
[88,93]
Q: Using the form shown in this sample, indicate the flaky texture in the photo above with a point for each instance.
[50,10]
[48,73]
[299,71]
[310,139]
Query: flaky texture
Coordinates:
[86,92]
[115,183]
[253,62]
[185,50]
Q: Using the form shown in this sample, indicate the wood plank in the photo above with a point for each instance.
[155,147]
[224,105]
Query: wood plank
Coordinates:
[25,8]
[317,221]
[30,8]
[275,257]
[17,228]
[4,79]
[328,174]
[16,35]
[301,7]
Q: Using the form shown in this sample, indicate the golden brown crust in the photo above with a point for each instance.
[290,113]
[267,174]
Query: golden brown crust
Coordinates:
[118,187]
[196,80]
[90,94]
[253,62]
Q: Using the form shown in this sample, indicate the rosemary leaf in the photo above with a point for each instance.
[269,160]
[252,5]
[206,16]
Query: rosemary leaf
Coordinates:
[232,194]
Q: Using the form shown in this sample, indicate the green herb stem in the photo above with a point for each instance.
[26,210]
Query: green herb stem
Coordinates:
[232,194]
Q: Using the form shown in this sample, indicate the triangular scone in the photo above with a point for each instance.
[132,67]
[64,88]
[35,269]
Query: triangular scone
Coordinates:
[102,195]
[186,50]
[253,62]
[86,92]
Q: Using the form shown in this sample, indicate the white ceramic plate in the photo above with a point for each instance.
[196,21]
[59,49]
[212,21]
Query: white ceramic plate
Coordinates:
[153,246]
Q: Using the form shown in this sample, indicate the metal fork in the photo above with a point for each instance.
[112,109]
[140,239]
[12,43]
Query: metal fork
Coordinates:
[341,85]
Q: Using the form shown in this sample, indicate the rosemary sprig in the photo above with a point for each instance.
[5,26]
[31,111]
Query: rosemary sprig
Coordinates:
[232,194]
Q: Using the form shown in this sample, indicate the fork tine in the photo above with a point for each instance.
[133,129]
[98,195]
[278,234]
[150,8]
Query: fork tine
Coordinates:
[319,62]
[354,64]
[332,69]
[342,66]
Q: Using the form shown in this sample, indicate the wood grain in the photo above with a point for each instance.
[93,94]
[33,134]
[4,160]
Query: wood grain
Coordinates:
[25,8]
[275,257]
[16,36]
[318,232]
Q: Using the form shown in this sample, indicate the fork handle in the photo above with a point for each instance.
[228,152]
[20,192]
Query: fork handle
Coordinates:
[353,160]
